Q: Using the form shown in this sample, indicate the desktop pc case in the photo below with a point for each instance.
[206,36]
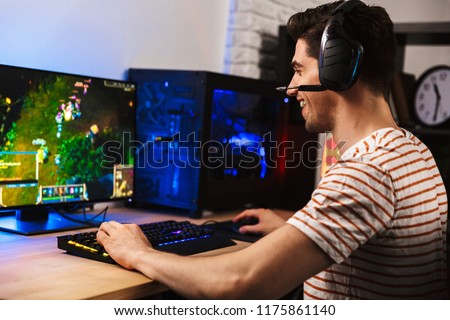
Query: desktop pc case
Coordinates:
[208,141]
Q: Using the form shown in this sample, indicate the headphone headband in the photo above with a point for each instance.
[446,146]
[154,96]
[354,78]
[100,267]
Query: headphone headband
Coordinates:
[347,6]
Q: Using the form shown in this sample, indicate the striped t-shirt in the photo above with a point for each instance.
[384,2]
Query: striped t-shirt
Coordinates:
[380,213]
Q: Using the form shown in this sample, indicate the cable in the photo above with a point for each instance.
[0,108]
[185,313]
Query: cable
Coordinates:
[210,222]
[86,221]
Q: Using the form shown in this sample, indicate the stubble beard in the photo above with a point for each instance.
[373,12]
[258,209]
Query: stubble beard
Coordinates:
[315,125]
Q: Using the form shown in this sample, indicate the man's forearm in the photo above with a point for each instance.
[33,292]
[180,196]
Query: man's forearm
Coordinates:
[196,277]
[250,273]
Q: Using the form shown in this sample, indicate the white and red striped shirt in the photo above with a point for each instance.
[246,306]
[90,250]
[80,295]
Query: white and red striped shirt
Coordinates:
[380,213]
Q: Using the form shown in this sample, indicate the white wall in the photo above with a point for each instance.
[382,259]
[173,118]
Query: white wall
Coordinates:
[106,37]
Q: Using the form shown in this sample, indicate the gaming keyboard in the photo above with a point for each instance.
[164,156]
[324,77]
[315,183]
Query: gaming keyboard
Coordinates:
[181,237]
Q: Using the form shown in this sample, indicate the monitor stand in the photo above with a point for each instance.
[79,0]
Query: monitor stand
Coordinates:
[34,221]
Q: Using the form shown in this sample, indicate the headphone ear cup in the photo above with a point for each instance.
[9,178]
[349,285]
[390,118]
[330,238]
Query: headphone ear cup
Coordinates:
[340,56]
[339,62]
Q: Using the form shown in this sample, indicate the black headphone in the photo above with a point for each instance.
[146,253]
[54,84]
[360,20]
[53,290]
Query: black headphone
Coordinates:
[340,56]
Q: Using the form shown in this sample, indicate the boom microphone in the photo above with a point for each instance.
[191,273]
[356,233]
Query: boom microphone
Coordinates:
[316,88]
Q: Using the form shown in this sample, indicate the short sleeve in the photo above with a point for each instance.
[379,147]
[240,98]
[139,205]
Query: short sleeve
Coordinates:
[353,203]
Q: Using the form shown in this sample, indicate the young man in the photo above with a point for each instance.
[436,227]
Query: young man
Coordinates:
[374,227]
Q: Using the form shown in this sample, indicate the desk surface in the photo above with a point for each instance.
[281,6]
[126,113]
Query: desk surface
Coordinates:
[32,267]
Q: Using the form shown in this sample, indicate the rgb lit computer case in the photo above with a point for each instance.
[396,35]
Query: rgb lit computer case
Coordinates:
[208,141]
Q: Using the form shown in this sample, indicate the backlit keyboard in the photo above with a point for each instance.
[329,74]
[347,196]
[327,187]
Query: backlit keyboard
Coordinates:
[181,237]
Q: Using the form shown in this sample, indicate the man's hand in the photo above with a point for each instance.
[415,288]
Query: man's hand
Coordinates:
[123,242]
[268,221]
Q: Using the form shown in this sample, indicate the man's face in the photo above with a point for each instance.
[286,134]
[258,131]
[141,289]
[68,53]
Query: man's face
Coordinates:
[318,107]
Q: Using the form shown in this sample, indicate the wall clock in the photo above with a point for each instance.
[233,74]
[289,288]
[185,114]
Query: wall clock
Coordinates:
[432,97]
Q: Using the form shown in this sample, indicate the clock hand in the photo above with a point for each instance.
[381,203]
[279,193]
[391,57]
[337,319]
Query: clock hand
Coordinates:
[436,90]
[438,100]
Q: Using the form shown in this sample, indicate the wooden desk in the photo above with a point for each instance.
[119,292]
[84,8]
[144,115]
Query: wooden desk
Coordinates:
[32,267]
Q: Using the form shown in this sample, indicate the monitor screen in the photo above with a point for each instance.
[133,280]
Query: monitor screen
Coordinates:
[64,139]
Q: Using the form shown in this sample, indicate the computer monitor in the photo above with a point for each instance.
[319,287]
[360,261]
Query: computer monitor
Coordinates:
[65,142]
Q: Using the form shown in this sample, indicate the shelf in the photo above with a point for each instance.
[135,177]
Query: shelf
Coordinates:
[420,33]
[426,33]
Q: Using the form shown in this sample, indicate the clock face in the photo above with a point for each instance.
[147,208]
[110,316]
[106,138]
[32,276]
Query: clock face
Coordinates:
[432,98]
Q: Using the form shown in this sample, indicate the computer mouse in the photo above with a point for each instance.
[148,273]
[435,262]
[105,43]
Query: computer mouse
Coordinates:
[244,222]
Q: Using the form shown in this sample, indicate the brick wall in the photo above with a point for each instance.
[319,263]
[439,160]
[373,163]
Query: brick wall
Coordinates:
[252,36]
